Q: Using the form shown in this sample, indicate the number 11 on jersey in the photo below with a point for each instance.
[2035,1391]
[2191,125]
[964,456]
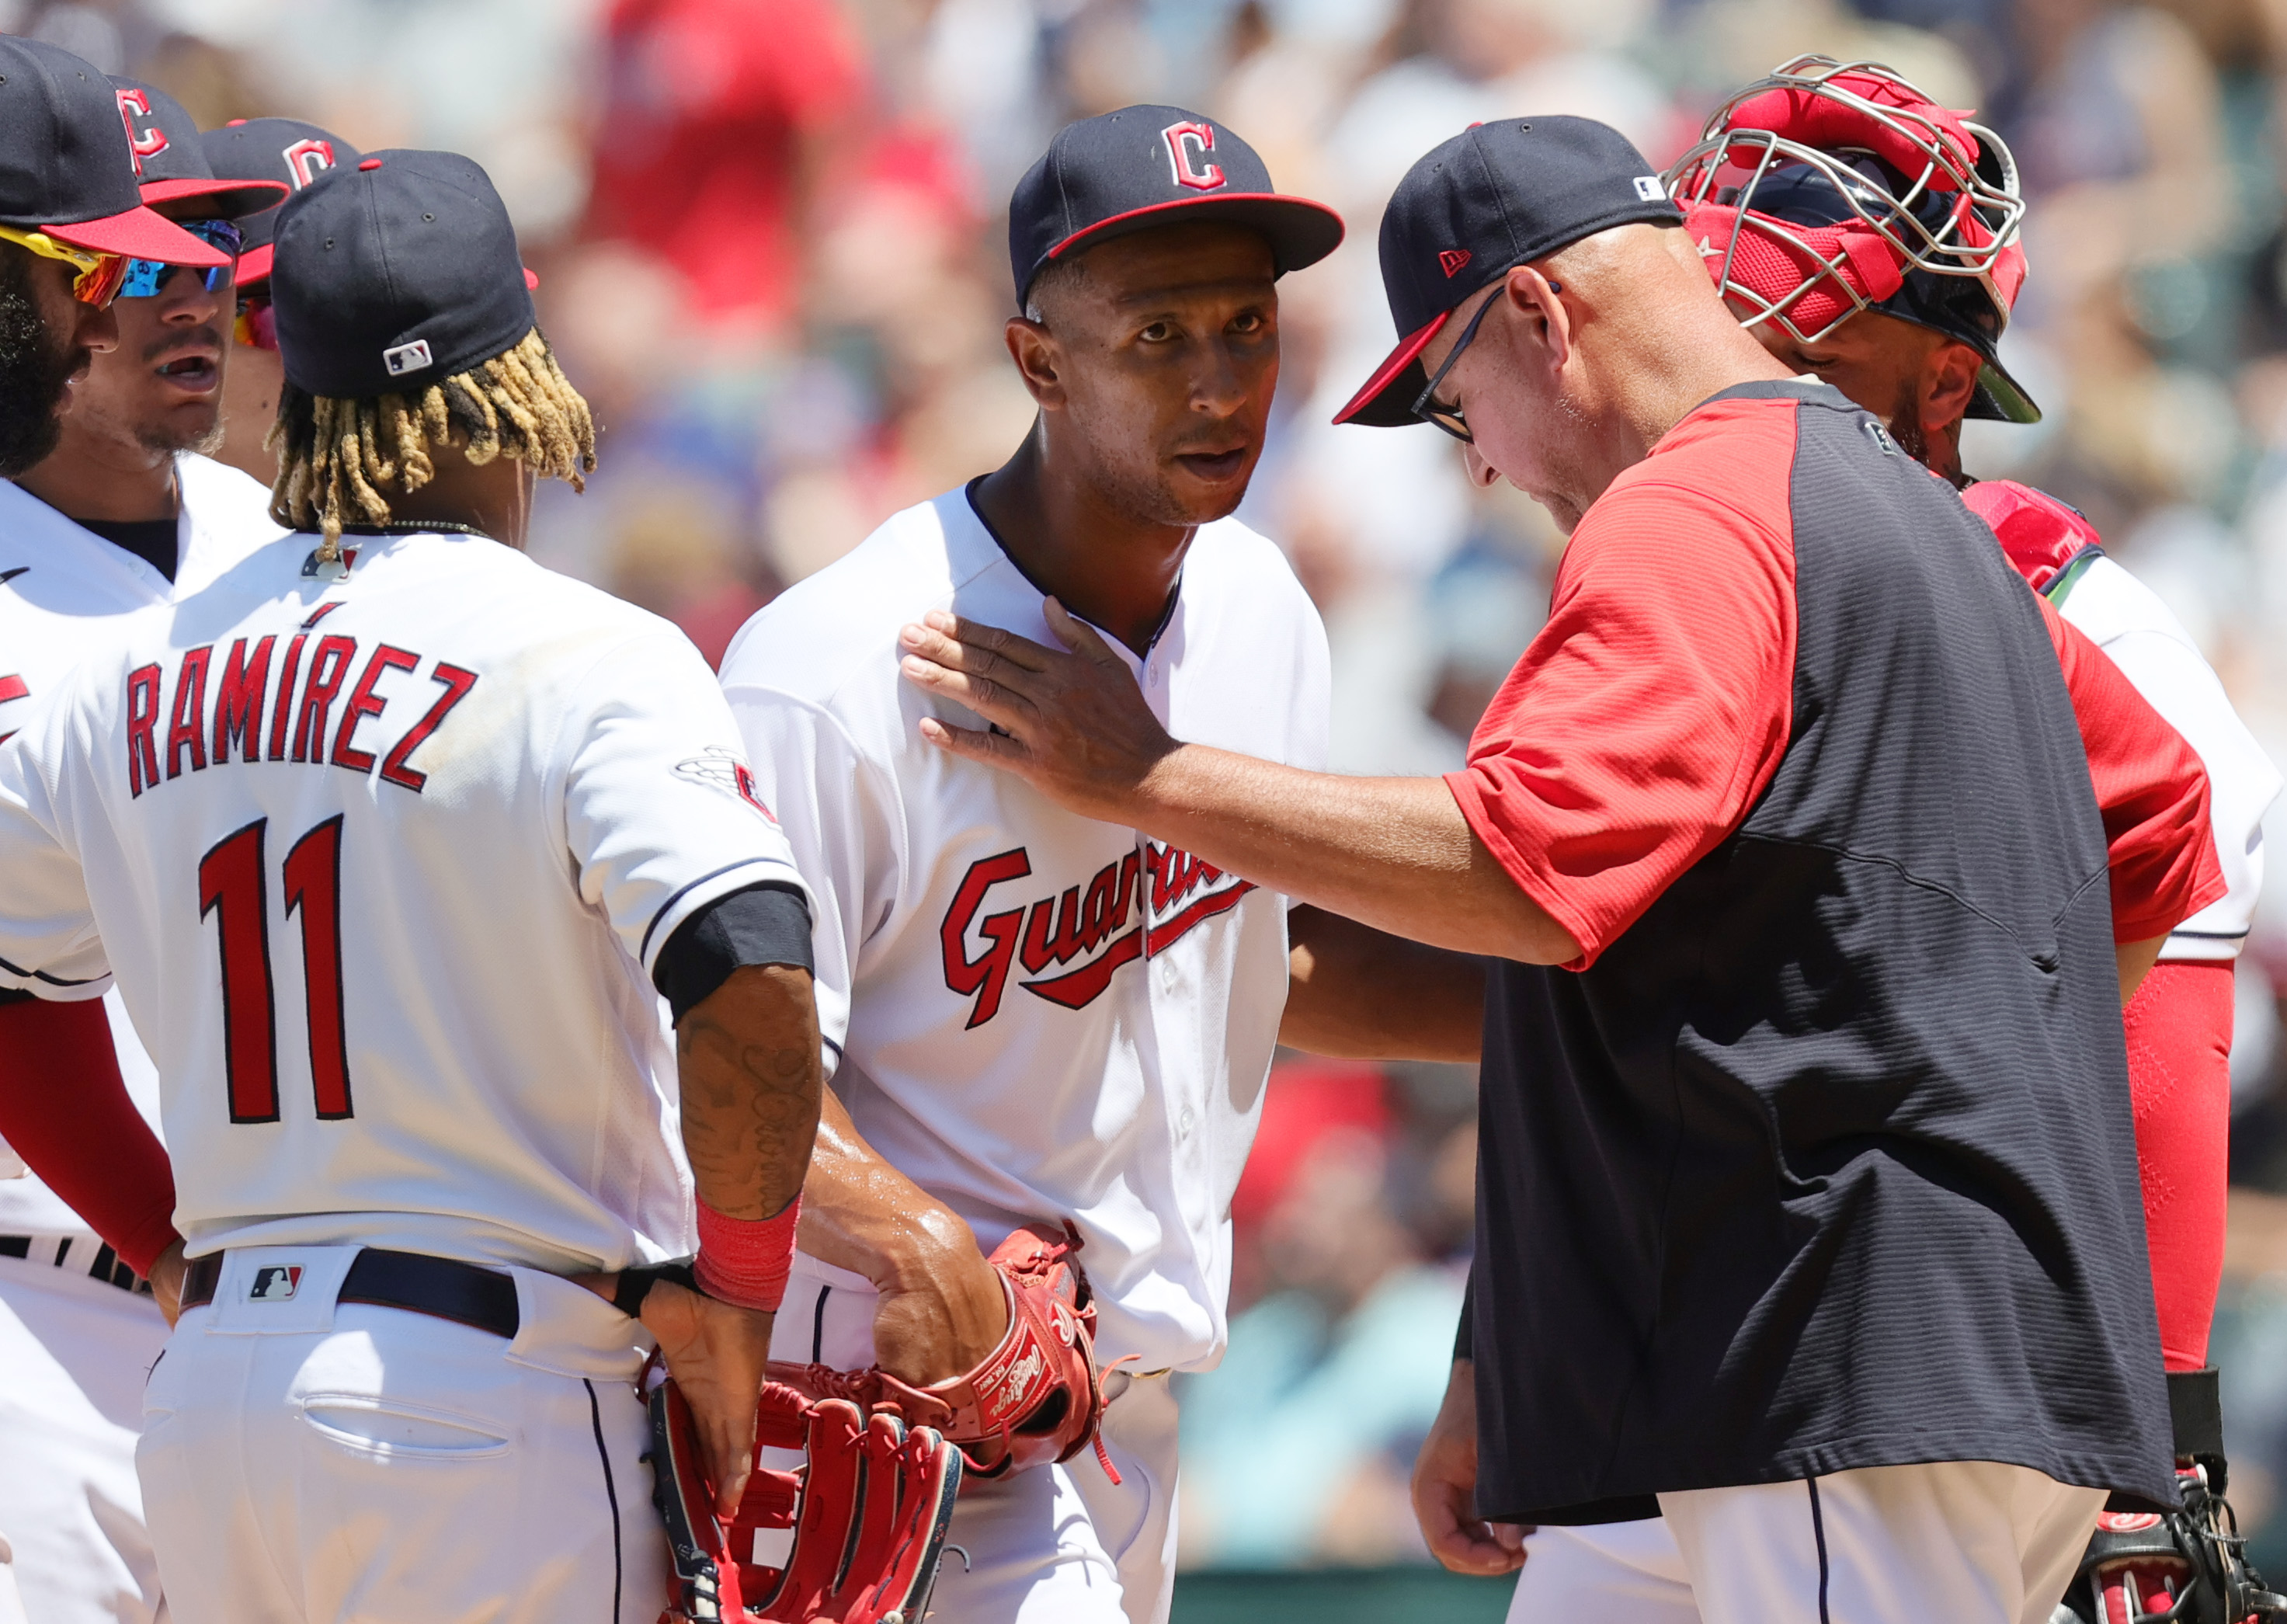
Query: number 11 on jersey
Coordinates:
[235,886]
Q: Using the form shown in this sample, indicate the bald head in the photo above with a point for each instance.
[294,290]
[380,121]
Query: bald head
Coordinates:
[1588,356]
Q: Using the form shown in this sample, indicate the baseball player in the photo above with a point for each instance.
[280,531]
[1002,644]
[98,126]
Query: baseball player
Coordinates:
[1034,1018]
[116,514]
[71,217]
[294,154]
[1899,308]
[1805,1202]
[393,842]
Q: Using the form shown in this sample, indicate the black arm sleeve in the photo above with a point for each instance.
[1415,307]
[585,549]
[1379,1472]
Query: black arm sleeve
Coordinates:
[767,924]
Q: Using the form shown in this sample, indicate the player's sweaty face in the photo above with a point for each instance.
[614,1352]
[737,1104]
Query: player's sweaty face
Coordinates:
[161,390]
[1169,357]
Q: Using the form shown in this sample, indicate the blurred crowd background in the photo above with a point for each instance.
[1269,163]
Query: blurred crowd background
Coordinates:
[770,241]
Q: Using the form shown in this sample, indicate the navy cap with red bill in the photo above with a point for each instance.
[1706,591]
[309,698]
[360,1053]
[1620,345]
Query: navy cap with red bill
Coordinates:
[1149,166]
[66,171]
[1494,197]
[284,151]
[170,160]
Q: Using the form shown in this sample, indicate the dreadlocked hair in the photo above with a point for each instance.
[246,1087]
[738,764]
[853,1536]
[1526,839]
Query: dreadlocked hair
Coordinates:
[336,458]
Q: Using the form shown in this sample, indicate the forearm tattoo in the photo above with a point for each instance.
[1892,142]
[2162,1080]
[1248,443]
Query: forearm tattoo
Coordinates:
[749,1114]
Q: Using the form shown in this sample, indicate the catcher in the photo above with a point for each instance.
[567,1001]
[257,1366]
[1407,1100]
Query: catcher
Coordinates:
[1048,1036]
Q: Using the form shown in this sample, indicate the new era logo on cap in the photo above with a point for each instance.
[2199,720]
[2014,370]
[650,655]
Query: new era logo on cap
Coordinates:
[1496,196]
[274,1283]
[404,357]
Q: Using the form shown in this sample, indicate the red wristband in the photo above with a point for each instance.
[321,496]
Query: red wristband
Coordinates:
[744,1261]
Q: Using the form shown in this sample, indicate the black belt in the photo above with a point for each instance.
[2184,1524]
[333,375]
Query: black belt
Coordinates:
[439,1286]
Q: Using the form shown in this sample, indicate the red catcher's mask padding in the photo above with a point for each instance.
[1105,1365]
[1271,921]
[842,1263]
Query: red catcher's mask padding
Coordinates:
[1810,276]
[1800,114]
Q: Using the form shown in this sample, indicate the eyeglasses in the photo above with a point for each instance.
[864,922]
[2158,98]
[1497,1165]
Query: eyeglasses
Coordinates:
[100,274]
[257,325]
[1426,405]
[146,277]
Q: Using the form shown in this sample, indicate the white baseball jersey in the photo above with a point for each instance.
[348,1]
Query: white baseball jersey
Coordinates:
[58,584]
[2126,618]
[382,866]
[1035,1016]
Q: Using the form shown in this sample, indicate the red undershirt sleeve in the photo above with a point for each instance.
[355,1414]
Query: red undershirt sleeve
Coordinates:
[64,1110]
[1650,711]
[2150,788]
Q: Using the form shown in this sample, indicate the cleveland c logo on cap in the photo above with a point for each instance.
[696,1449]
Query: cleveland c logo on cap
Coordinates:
[305,161]
[141,144]
[1188,146]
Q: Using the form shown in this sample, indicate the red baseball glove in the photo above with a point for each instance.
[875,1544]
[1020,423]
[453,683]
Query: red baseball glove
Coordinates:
[1039,1396]
[868,1511]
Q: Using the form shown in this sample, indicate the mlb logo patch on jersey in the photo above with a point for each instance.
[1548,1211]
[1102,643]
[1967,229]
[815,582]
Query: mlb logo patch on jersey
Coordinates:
[274,1283]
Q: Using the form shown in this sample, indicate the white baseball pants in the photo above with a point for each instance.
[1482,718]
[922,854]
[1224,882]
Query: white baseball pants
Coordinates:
[304,1463]
[1054,1545]
[1969,1541]
[74,1352]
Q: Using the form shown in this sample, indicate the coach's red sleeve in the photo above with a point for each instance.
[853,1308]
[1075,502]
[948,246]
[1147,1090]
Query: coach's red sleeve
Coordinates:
[2150,788]
[63,1108]
[1649,713]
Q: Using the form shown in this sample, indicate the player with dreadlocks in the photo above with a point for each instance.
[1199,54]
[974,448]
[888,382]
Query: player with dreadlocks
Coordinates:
[1867,234]
[395,842]
[338,459]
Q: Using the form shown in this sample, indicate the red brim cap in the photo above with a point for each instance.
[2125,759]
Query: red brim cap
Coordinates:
[230,199]
[139,234]
[1387,400]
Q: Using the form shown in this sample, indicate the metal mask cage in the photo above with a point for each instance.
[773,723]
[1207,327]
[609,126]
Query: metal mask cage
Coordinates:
[1967,236]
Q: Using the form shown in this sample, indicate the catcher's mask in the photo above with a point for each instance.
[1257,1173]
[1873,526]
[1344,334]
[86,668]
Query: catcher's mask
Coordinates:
[1829,188]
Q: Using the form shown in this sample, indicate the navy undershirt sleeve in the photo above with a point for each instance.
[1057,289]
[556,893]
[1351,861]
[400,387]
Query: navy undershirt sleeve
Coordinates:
[767,924]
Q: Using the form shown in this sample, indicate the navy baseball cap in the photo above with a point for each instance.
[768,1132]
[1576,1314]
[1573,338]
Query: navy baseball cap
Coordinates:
[394,274]
[1147,166]
[171,164]
[1494,197]
[65,167]
[284,150]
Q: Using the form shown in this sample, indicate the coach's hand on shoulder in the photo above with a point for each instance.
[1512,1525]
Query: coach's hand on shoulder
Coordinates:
[716,1352]
[1074,725]
[1445,1488]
